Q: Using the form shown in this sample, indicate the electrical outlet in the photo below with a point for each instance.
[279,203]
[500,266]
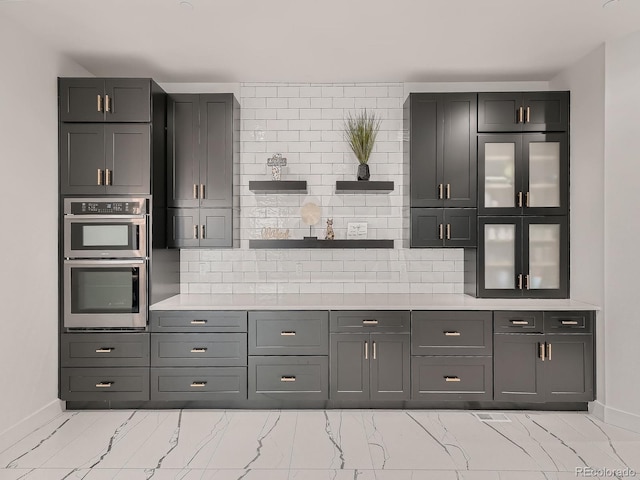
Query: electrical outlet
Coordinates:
[203,267]
[298,269]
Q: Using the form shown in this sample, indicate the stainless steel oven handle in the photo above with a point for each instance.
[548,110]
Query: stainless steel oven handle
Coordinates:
[105,262]
[104,217]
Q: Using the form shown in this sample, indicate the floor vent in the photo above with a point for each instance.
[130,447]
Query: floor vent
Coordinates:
[491,417]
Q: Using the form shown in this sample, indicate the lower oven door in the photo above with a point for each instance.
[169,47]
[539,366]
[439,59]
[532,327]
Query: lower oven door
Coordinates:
[105,294]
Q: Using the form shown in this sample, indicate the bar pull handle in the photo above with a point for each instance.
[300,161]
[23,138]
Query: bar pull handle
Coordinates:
[542,355]
[528,118]
[288,334]
[99,103]
[366,350]
[288,378]
[451,334]
[440,194]
[195,231]
[520,199]
[448,231]
[198,322]
[202,190]
[569,322]
[375,356]
[99,176]
[519,322]
[195,191]
[549,351]
[202,231]
[519,282]
[370,322]
[107,103]
[526,199]
[526,281]
[451,378]
[448,190]
[104,350]
[104,384]
[198,384]
[440,232]
[107,177]
[520,115]
[198,350]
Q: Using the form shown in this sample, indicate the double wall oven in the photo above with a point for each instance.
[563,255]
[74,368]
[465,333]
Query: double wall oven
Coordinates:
[105,266]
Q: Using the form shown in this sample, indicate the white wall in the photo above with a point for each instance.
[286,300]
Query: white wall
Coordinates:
[622,231]
[586,81]
[28,244]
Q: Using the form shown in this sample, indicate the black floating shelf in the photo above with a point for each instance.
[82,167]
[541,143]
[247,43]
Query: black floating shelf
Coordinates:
[318,243]
[359,186]
[278,186]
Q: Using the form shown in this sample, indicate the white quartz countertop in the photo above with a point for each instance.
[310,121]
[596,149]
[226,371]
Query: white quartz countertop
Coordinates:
[361,302]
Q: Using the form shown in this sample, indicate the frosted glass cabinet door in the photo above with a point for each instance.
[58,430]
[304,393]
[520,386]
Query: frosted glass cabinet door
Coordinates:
[546,173]
[499,256]
[499,175]
[545,261]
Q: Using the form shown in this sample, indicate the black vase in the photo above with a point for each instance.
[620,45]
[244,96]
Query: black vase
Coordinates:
[363,172]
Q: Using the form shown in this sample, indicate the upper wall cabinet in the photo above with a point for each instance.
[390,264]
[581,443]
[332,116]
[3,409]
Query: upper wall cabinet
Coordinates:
[202,132]
[106,100]
[523,112]
[441,148]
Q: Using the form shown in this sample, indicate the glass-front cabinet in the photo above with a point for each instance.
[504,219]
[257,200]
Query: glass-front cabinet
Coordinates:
[523,174]
[523,257]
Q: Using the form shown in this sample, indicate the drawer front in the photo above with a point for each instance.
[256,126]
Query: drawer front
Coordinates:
[300,378]
[289,333]
[451,333]
[568,322]
[370,321]
[198,349]
[452,378]
[517,322]
[87,384]
[104,350]
[200,383]
[198,321]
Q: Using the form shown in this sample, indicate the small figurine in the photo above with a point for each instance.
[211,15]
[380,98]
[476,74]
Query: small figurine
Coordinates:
[275,173]
[329,235]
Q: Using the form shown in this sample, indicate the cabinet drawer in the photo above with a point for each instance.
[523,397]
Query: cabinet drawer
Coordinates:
[517,322]
[200,383]
[451,333]
[198,349]
[104,350]
[370,321]
[568,322]
[198,321]
[289,333]
[452,378]
[300,378]
[88,384]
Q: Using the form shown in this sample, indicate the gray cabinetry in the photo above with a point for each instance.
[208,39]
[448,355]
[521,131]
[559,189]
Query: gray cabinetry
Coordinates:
[444,227]
[552,362]
[370,356]
[201,383]
[285,377]
[451,378]
[121,384]
[523,111]
[198,321]
[289,333]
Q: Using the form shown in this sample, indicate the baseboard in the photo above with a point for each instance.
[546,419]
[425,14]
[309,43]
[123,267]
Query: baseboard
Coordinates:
[24,427]
[622,419]
[597,410]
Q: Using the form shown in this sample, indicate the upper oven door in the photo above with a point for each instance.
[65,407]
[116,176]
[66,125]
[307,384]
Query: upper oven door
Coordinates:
[105,236]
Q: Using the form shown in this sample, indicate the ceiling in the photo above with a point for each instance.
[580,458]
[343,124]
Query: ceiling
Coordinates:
[325,40]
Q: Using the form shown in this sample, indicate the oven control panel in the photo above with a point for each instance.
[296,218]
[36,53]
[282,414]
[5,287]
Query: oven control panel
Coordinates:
[106,207]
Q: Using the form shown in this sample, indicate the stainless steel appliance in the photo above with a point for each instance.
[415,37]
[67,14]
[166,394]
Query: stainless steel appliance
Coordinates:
[105,263]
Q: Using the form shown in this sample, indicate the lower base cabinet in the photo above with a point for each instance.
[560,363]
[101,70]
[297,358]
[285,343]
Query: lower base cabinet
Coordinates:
[452,378]
[289,377]
[199,383]
[112,384]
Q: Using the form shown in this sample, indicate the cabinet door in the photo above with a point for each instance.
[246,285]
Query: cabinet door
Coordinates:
[425,147]
[545,111]
[568,368]
[82,159]
[128,158]
[546,257]
[459,157]
[129,100]
[81,99]
[460,227]
[216,147]
[500,176]
[183,176]
[216,226]
[500,112]
[184,227]
[545,170]
[390,366]
[349,371]
[500,257]
[518,368]
[427,227]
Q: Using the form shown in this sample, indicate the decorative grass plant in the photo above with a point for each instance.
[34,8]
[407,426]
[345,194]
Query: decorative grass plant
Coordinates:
[360,131]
